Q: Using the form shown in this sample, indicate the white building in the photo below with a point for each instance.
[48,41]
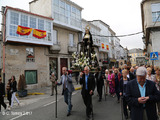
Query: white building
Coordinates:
[67,30]
[150,10]
[117,48]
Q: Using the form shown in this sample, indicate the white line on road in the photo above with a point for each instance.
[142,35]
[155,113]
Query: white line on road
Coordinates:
[16,117]
[49,103]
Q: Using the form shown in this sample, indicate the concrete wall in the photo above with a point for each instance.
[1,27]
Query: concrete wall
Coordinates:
[16,64]
[41,7]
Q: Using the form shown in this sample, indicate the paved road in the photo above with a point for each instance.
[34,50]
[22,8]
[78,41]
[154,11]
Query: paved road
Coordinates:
[45,109]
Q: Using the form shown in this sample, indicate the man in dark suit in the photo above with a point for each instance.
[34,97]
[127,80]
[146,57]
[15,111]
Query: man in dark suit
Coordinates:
[87,81]
[142,96]
[130,75]
[100,82]
[2,94]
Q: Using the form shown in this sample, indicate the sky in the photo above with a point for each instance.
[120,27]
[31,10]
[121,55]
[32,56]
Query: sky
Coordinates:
[123,16]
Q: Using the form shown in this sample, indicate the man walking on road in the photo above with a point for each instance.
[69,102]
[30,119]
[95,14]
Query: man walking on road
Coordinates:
[87,80]
[142,96]
[67,89]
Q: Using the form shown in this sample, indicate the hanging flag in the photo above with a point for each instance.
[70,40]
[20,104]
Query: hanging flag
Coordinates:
[21,30]
[39,33]
[102,45]
[107,46]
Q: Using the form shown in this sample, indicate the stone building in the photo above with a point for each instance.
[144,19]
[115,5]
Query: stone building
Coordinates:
[26,54]
[150,13]
[67,30]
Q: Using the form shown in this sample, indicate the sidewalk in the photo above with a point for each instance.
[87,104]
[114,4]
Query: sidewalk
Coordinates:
[35,95]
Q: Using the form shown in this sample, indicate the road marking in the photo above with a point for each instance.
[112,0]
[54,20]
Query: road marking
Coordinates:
[49,103]
[16,117]
[74,93]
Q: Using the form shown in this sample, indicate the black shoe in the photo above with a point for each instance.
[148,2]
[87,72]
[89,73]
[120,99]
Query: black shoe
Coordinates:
[69,114]
[99,100]
[51,94]
[88,117]
[126,117]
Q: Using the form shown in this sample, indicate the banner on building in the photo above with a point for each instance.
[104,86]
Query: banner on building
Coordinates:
[39,33]
[21,30]
[107,47]
[102,45]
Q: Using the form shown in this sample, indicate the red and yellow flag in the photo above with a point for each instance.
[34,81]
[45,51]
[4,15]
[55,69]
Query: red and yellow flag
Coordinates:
[107,47]
[21,30]
[102,45]
[39,33]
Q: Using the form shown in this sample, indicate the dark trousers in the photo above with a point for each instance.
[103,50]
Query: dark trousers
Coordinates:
[2,102]
[117,92]
[125,106]
[87,98]
[99,90]
[9,96]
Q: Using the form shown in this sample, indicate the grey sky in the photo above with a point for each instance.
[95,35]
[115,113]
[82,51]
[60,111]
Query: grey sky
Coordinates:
[123,16]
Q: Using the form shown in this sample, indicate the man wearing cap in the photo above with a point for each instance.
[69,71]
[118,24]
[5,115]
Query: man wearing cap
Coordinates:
[142,96]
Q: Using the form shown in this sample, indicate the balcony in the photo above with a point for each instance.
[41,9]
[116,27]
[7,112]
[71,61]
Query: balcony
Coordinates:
[55,48]
[72,49]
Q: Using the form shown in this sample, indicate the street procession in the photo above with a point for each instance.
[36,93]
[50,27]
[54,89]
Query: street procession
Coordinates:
[59,64]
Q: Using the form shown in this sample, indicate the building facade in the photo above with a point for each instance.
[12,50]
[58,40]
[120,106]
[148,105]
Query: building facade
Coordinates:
[150,10]
[0,52]
[26,54]
[137,57]
[67,30]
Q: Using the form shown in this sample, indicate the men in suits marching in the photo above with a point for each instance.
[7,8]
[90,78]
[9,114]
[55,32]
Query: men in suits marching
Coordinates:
[142,96]
[67,88]
[87,80]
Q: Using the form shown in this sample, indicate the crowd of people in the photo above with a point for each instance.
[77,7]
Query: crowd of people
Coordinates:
[138,89]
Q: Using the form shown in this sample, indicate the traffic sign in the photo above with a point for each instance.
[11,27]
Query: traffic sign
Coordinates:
[154,56]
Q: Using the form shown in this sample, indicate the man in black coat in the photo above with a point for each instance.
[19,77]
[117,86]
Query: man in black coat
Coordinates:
[142,96]
[2,94]
[87,81]
[130,75]
[100,82]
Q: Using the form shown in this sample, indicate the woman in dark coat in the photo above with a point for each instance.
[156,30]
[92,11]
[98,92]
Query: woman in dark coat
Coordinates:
[9,94]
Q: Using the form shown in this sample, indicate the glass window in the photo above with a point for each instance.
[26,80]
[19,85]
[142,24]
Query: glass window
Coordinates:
[24,20]
[14,18]
[40,24]
[32,22]
[73,9]
[48,26]
[13,31]
[56,2]
[31,76]
[30,56]
[71,39]
[68,7]
[62,4]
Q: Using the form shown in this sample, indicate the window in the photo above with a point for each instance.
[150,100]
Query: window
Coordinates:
[155,12]
[55,37]
[30,57]
[14,18]
[71,39]
[32,22]
[24,20]
[40,24]
[31,76]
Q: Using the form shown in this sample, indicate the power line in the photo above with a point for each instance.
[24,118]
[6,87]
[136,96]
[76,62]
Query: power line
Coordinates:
[119,35]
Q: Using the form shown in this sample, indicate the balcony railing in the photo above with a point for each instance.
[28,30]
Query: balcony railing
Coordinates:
[72,48]
[55,48]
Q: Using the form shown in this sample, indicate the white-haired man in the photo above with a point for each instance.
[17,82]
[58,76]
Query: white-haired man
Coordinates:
[87,80]
[142,96]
